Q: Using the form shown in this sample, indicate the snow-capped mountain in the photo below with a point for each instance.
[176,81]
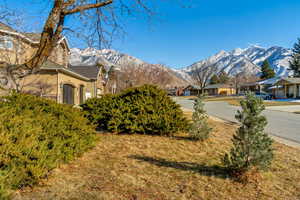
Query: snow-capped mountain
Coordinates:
[247,60]
[91,56]
[110,57]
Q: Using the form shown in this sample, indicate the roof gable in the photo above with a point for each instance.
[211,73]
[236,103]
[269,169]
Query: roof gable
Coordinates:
[33,38]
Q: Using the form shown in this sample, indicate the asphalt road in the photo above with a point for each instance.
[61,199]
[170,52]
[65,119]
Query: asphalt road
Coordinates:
[281,124]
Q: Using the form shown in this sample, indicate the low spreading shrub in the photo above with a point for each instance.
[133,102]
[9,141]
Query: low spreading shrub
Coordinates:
[35,136]
[146,109]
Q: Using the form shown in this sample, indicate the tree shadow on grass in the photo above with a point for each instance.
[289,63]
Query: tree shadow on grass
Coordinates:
[185,138]
[214,170]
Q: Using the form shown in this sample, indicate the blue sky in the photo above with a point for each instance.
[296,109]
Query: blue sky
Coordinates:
[181,36]
[185,36]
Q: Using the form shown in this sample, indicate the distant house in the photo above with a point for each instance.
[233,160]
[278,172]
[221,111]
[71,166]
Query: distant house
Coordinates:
[258,86]
[192,90]
[212,90]
[249,87]
[287,88]
[220,90]
[56,80]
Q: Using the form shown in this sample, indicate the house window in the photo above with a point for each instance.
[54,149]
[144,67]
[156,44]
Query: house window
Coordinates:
[68,94]
[6,42]
[81,94]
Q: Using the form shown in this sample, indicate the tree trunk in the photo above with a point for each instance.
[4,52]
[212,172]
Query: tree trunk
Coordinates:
[50,36]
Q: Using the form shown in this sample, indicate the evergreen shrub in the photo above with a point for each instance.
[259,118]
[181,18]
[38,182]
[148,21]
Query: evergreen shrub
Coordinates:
[36,135]
[200,129]
[252,146]
[146,110]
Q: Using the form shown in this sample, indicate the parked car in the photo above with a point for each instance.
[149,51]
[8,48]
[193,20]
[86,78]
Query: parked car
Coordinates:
[263,95]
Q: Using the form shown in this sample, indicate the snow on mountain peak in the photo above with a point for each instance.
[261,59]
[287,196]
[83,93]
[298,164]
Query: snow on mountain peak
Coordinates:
[221,54]
[237,51]
[247,60]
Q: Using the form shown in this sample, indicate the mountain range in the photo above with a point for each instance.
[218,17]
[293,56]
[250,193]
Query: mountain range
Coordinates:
[246,60]
[109,57]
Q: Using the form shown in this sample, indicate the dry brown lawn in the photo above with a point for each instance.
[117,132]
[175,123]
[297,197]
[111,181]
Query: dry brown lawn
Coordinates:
[235,101]
[140,167]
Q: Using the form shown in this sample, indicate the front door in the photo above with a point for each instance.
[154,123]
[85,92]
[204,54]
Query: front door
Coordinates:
[68,94]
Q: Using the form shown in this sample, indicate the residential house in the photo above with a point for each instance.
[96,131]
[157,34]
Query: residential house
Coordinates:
[192,90]
[249,87]
[212,90]
[287,87]
[258,86]
[56,80]
[220,90]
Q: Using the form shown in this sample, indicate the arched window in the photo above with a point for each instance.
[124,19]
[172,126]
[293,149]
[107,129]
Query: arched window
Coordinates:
[6,43]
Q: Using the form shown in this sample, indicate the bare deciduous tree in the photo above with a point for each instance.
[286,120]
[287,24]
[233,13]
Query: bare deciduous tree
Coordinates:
[137,75]
[242,78]
[202,75]
[99,17]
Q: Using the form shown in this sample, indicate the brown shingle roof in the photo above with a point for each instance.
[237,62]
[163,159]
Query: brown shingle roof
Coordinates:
[50,65]
[33,36]
[87,71]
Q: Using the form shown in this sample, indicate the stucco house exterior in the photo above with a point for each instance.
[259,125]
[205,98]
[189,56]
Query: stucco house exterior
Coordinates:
[287,87]
[220,89]
[57,80]
[212,90]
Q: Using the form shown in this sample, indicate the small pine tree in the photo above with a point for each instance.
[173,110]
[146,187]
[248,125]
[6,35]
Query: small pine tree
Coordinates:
[267,71]
[252,147]
[295,62]
[199,129]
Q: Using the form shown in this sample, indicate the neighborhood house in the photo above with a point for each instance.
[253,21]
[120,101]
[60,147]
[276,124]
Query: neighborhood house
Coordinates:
[280,88]
[259,86]
[212,90]
[220,89]
[57,79]
[287,88]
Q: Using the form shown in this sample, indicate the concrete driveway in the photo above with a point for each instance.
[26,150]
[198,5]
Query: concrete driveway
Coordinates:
[281,124]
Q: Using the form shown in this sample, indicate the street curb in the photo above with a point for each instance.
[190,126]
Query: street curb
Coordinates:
[279,139]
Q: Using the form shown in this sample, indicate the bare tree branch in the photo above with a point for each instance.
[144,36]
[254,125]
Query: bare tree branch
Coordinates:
[94,17]
[87,7]
[203,74]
